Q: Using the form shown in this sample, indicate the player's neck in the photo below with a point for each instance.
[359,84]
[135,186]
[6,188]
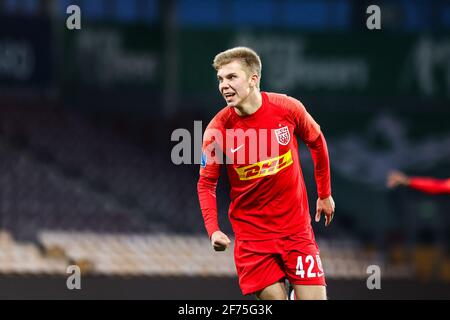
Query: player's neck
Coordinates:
[250,105]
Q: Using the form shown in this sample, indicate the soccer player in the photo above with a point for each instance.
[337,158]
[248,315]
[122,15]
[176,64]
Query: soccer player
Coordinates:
[255,135]
[424,184]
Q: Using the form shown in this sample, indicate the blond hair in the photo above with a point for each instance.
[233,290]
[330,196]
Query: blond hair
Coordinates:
[246,56]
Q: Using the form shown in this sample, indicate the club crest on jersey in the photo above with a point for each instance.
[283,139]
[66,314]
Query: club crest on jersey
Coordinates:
[283,135]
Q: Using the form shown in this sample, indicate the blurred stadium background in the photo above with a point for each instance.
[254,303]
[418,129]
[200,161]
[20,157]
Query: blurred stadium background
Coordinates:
[86,118]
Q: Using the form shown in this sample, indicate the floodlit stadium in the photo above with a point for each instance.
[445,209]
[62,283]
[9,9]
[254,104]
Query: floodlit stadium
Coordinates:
[103,105]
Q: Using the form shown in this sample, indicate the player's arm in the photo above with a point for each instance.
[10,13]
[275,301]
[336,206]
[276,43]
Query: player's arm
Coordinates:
[309,131]
[424,184]
[206,189]
[430,185]
[325,203]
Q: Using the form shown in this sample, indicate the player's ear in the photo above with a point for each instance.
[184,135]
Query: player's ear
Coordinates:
[254,80]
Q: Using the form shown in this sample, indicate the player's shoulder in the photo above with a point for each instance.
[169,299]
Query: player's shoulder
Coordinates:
[284,101]
[220,119]
[276,98]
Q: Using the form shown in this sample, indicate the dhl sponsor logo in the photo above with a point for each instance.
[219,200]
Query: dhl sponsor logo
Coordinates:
[265,168]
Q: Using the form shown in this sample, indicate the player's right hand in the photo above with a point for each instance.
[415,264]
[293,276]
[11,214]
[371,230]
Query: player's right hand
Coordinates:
[220,241]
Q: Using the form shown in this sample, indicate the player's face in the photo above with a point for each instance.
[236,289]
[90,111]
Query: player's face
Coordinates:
[234,83]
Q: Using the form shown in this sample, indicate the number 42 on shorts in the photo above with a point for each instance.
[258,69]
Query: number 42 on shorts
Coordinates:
[309,263]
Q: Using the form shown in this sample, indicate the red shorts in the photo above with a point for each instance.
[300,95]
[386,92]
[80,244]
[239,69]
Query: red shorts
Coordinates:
[262,263]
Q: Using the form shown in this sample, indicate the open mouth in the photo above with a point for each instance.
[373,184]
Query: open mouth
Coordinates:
[229,95]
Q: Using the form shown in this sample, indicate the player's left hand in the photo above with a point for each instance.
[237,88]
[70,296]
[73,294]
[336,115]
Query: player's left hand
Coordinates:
[327,207]
[397,178]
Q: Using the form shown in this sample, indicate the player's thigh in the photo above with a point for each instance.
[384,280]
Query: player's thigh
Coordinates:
[257,266]
[310,292]
[302,262]
[276,291]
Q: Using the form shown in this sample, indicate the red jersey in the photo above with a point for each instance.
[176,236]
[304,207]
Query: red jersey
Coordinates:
[430,185]
[268,194]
